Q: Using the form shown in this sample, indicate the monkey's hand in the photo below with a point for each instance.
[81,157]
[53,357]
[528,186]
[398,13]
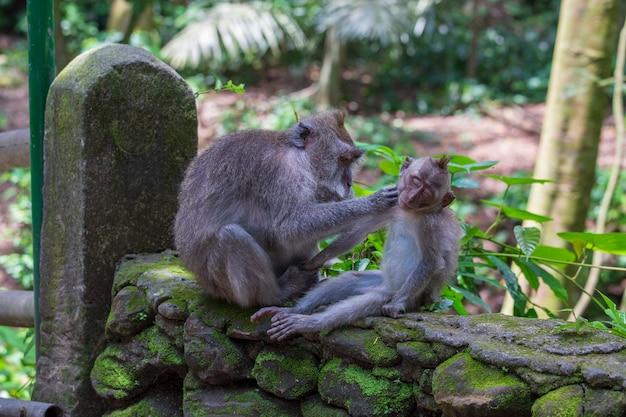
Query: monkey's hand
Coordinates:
[394,310]
[267,312]
[384,199]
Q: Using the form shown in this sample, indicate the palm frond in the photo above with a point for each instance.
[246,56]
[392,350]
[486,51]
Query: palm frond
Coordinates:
[380,20]
[230,32]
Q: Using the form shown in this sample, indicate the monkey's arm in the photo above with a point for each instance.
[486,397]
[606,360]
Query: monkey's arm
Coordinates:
[321,220]
[349,239]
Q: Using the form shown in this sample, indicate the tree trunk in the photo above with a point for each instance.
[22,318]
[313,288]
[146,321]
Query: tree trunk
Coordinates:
[124,18]
[14,149]
[61,56]
[576,106]
[329,83]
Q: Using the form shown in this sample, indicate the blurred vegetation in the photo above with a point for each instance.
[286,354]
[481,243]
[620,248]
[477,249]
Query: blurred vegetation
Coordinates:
[443,56]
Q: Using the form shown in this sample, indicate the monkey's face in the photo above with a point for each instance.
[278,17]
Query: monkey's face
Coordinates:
[424,185]
[332,154]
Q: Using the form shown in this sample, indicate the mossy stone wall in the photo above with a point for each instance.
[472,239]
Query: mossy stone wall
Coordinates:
[170,347]
[120,131]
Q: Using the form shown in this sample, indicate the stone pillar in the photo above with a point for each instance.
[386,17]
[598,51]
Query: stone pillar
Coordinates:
[120,130]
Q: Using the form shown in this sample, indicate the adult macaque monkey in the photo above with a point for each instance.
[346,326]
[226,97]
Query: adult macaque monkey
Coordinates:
[419,256]
[255,204]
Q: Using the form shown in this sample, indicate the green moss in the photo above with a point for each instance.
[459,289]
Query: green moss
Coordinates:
[387,373]
[420,353]
[380,396]
[364,345]
[393,331]
[563,402]
[113,378]
[252,403]
[140,409]
[290,374]
[378,351]
[131,269]
[463,375]
[312,406]
[161,347]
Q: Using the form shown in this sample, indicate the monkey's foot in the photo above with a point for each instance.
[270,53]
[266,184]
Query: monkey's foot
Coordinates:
[394,310]
[267,312]
[291,324]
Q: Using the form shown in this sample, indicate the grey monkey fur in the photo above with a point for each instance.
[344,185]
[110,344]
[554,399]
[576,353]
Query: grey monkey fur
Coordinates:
[420,255]
[255,204]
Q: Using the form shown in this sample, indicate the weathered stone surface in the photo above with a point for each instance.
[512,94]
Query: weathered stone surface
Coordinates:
[313,406]
[212,356]
[120,131]
[382,367]
[242,328]
[173,329]
[160,402]
[541,383]
[424,400]
[393,331]
[130,313]
[125,370]
[419,353]
[464,387]
[364,346]
[241,400]
[359,392]
[580,400]
[286,374]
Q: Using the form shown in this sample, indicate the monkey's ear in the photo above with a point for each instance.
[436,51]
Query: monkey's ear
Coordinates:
[301,134]
[443,161]
[406,164]
[339,116]
[447,199]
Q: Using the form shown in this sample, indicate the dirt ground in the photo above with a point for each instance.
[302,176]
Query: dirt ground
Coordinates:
[508,135]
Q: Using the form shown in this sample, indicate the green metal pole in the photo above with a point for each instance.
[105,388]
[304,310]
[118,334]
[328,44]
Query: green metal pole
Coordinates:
[41,72]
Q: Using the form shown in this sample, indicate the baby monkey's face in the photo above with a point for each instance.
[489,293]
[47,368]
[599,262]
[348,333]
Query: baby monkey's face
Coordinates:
[424,183]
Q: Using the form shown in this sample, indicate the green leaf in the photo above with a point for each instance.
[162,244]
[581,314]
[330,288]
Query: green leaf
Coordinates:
[470,232]
[552,253]
[528,272]
[361,265]
[239,88]
[378,150]
[554,284]
[614,243]
[461,163]
[474,299]
[455,297]
[527,238]
[509,277]
[465,182]
[360,191]
[477,277]
[516,180]
[579,247]
[389,167]
[517,213]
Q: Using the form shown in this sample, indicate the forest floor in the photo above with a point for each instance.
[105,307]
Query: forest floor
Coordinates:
[509,135]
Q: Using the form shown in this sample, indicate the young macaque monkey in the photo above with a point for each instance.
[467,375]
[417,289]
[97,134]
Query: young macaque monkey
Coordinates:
[419,257]
[255,204]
